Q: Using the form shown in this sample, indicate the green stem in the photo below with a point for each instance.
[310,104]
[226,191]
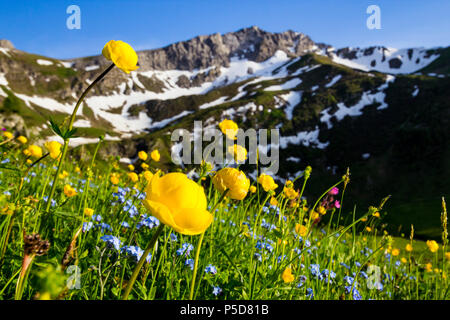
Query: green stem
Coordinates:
[141,262]
[197,254]
[199,245]
[66,141]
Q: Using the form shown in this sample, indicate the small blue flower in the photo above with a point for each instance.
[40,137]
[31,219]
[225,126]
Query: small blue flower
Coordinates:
[135,252]
[190,263]
[125,224]
[216,290]
[315,269]
[112,241]
[185,249]
[97,217]
[173,237]
[87,226]
[103,227]
[349,280]
[149,222]
[310,293]
[210,269]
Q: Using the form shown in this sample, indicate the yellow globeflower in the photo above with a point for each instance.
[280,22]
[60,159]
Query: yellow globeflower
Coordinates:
[290,193]
[8,135]
[179,203]
[252,189]
[133,176]
[409,247]
[395,252]
[301,230]
[88,212]
[429,267]
[234,180]
[447,256]
[321,210]
[114,178]
[287,275]
[403,260]
[121,54]
[144,166]
[34,151]
[142,155]
[130,167]
[432,245]
[267,182]
[54,147]
[22,139]
[69,191]
[239,153]
[273,201]
[148,175]
[77,169]
[368,229]
[155,155]
[229,128]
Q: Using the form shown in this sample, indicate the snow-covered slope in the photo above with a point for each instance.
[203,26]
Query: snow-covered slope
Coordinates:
[382,59]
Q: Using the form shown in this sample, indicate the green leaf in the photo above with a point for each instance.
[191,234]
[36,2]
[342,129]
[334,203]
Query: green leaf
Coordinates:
[7,167]
[56,128]
[84,254]
[70,134]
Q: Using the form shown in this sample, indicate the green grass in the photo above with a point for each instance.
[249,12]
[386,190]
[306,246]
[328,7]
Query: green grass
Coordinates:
[245,268]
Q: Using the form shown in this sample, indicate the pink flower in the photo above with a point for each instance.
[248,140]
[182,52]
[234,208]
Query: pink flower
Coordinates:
[337,204]
[334,191]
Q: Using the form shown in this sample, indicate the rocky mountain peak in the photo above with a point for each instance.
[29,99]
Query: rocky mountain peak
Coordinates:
[6,44]
[217,49]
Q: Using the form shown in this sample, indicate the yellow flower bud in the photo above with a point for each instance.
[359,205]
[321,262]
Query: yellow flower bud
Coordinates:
[88,212]
[229,128]
[122,55]
[267,182]
[69,191]
[133,176]
[432,245]
[234,180]
[287,275]
[142,155]
[22,139]
[54,147]
[155,155]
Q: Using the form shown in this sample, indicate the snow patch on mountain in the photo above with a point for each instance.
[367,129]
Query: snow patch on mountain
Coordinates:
[306,138]
[367,98]
[333,81]
[43,62]
[92,68]
[3,80]
[292,99]
[213,103]
[387,60]
[285,86]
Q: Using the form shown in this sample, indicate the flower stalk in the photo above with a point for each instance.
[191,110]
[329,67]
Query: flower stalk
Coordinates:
[66,139]
[141,262]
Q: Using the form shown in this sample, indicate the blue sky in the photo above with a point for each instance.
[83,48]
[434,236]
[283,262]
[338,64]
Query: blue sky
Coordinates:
[40,26]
